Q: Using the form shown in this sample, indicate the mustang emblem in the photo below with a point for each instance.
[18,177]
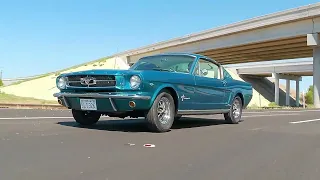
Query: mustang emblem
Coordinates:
[183,97]
[88,81]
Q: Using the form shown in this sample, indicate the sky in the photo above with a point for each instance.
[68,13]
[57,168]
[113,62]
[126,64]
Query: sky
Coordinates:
[39,36]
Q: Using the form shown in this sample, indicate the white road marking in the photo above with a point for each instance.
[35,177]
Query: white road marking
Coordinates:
[262,115]
[255,112]
[281,111]
[255,129]
[304,121]
[314,110]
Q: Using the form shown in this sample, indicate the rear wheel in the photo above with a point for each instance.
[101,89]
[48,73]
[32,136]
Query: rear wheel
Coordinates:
[85,117]
[234,115]
[161,115]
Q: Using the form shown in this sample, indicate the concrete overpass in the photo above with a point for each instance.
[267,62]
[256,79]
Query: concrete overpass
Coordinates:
[283,35]
[285,70]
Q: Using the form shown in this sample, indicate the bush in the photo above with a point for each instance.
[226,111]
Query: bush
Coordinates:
[1,83]
[273,104]
[309,95]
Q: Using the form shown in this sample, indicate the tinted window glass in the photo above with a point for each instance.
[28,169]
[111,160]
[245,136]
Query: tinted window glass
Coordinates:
[226,74]
[207,69]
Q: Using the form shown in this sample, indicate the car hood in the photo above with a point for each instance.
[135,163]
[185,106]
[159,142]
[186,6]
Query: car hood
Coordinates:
[148,75]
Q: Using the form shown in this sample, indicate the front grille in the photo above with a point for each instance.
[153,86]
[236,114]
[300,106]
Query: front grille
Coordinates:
[91,81]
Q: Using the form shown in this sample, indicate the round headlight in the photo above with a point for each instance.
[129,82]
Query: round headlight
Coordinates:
[135,82]
[61,83]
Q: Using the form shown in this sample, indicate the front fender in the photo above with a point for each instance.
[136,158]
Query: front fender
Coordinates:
[159,89]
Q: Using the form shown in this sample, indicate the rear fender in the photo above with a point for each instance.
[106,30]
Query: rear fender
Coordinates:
[234,95]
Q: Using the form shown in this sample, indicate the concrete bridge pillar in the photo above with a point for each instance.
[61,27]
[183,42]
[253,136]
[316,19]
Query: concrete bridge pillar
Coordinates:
[297,93]
[316,76]
[288,78]
[276,88]
[313,40]
[287,92]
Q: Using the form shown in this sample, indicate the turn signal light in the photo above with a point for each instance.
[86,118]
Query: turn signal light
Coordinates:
[132,104]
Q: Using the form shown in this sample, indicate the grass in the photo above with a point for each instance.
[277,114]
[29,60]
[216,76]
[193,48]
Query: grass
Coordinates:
[56,73]
[12,99]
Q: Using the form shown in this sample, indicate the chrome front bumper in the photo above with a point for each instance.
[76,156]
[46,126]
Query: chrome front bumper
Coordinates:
[101,95]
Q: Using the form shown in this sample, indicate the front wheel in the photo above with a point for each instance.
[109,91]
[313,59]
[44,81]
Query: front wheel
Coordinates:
[234,115]
[86,118]
[161,115]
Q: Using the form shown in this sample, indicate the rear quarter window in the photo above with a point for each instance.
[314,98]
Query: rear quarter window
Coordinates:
[226,74]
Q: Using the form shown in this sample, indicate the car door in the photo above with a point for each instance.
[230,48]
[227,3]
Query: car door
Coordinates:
[209,87]
[184,84]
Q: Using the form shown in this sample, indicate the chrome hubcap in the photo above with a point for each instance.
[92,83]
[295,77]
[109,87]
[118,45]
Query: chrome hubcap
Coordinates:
[164,110]
[236,109]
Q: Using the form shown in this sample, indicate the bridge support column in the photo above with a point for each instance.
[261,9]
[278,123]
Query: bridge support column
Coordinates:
[287,92]
[276,88]
[316,76]
[297,93]
[313,40]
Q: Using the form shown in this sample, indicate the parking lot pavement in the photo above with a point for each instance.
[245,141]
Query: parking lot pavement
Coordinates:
[45,144]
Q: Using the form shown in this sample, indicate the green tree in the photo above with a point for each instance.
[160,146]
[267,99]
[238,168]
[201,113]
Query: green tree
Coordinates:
[1,83]
[309,95]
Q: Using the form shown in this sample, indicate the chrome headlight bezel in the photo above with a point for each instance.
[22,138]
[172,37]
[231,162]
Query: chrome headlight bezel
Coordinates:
[61,82]
[135,82]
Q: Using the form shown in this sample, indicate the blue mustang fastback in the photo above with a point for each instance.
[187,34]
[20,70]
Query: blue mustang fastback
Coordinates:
[161,88]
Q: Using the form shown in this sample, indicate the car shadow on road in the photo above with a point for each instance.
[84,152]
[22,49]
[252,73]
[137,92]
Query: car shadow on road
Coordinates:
[140,125]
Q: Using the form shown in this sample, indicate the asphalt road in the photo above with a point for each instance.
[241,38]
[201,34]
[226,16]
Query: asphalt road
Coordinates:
[45,144]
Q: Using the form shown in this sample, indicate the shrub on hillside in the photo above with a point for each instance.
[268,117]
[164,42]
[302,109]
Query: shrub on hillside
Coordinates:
[1,83]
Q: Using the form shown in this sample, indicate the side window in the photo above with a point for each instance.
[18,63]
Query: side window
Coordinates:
[207,69]
[182,67]
[226,74]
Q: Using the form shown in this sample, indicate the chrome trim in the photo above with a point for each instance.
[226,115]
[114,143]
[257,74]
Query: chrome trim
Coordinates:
[224,82]
[89,85]
[95,80]
[197,112]
[65,102]
[112,104]
[100,95]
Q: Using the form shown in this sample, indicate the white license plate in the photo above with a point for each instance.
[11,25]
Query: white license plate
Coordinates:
[88,104]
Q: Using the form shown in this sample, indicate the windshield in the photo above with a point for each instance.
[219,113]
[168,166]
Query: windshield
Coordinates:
[174,63]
